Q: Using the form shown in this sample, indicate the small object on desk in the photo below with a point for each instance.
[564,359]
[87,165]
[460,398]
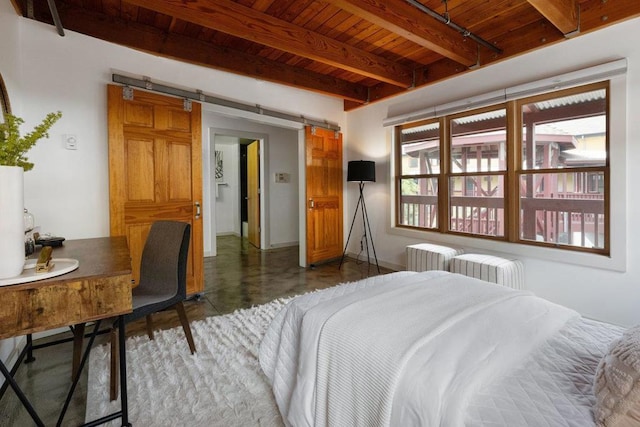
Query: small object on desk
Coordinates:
[48,240]
[29,244]
[44,263]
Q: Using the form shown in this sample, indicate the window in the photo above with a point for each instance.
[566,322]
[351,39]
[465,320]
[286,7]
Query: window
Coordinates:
[419,174]
[478,167]
[564,159]
[532,171]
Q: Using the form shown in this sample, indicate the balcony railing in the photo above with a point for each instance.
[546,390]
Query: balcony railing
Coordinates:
[575,222]
[568,218]
[419,211]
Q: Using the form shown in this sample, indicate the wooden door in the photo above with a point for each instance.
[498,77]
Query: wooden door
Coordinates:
[253,193]
[324,194]
[155,171]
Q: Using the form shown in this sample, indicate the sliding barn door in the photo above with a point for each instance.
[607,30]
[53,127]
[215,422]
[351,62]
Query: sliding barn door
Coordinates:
[324,194]
[155,171]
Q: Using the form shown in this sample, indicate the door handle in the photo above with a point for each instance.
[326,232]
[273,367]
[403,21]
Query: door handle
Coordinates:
[312,204]
[198,210]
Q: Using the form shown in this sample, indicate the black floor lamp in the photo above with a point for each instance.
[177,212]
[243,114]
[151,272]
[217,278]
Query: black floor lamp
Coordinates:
[361,171]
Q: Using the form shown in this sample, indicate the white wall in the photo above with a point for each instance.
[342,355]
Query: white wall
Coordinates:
[284,196]
[609,292]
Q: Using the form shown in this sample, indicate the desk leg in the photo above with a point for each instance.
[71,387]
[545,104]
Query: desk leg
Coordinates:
[30,357]
[123,372]
[20,394]
[76,375]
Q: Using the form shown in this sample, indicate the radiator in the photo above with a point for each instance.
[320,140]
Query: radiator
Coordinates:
[507,272]
[427,256]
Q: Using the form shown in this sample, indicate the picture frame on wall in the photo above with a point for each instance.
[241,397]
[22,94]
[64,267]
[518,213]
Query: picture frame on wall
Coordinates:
[219,166]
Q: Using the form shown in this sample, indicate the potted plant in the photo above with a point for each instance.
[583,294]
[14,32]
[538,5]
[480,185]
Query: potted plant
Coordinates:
[13,163]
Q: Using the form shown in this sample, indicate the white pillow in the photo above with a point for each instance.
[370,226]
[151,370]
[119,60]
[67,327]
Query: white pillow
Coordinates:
[617,383]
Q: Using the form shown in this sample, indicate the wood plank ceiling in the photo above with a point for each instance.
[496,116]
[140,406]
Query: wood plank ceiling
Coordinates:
[361,51]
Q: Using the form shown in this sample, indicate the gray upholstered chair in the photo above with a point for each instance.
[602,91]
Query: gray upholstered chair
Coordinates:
[162,284]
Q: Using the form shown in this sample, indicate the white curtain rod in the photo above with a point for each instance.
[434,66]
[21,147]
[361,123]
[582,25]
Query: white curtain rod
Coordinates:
[147,84]
[562,81]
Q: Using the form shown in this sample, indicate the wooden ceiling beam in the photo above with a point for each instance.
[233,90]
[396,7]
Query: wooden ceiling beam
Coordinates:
[150,39]
[528,38]
[596,14]
[434,72]
[563,14]
[401,18]
[244,22]
[521,29]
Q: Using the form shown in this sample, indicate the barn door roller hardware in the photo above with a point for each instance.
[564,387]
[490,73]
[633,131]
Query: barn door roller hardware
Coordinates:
[200,96]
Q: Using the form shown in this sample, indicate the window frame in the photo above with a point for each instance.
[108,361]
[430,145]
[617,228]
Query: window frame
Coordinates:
[400,177]
[512,175]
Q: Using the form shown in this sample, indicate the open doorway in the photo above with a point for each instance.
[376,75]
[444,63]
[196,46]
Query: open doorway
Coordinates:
[279,184]
[237,187]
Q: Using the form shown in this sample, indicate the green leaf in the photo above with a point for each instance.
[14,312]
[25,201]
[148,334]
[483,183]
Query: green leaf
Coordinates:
[13,147]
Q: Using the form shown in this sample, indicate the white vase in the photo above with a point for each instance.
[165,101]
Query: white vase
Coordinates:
[11,221]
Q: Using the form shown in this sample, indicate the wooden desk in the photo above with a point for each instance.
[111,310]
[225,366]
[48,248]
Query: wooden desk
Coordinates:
[99,288]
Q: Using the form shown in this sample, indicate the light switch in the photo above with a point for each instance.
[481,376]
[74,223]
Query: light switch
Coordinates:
[70,142]
[282,177]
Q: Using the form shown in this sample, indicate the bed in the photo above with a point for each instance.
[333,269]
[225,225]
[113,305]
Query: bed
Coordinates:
[442,349]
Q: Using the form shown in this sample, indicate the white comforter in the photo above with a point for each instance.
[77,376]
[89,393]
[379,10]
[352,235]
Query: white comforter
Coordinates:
[401,349]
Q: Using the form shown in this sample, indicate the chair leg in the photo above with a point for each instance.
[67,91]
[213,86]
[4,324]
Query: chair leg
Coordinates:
[185,326]
[113,377]
[150,327]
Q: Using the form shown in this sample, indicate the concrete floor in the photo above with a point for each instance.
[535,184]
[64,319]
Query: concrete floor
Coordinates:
[240,276]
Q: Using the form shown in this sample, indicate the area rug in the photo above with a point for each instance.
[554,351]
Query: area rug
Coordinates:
[221,385]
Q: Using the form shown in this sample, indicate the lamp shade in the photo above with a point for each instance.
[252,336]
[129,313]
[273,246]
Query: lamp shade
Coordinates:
[361,170]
